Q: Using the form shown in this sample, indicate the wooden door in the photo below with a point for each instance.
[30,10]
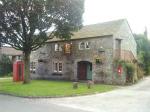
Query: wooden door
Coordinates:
[89,71]
[82,71]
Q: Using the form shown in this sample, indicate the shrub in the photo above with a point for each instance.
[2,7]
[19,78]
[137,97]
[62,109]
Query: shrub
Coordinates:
[130,70]
[118,62]
[5,65]
[140,72]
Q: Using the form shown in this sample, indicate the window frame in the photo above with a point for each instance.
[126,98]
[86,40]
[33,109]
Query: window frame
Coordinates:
[33,66]
[57,47]
[56,66]
[80,48]
[87,43]
[60,70]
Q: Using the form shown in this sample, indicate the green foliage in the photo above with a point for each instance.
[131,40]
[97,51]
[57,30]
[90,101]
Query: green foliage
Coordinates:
[143,47]
[130,70]
[20,19]
[140,72]
[24,23]
[5,66]
[118,62]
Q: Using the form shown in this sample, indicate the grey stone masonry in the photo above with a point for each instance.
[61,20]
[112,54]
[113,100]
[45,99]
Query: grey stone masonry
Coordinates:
[99,51]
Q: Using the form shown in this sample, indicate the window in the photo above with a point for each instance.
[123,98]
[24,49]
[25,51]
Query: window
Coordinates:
[84,45]
[55,67]
[58,66]
[87,45]
[81,45]
[33,67]
[58,47]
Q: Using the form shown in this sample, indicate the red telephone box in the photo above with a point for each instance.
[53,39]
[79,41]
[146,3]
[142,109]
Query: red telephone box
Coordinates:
[119,70]
[18,71]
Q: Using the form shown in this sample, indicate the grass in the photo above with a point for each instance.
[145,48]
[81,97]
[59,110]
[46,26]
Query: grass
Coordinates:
[42,88]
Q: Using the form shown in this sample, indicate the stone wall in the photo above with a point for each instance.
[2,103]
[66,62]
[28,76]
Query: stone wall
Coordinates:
[103,73]
[128,42]
[100,72]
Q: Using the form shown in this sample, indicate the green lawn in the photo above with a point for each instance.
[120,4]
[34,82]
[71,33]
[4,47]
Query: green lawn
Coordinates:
[42,88]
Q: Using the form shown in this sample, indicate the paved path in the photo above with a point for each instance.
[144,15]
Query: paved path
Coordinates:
[127,99]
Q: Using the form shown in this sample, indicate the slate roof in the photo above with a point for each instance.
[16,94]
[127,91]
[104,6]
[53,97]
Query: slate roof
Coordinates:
[10,51]
[94,30]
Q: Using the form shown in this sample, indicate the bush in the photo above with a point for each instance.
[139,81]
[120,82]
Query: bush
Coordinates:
[118,62]
[130,70]
[140,72]
[5,66]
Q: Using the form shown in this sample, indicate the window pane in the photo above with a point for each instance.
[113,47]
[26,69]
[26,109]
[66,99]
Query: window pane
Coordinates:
[60,67]
[56,47]
[60,48]
[55,67]
[81,45]
[87,45]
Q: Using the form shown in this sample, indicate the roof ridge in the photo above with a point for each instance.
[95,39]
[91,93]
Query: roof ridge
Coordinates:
[98,29]
[100,23]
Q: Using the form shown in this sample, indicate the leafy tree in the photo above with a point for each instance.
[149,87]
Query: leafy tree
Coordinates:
[24,23]
[143,46]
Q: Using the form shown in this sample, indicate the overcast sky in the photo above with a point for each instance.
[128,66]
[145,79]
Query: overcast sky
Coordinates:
[137,12]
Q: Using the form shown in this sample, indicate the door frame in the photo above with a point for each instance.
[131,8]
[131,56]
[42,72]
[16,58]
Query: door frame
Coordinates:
[88,75]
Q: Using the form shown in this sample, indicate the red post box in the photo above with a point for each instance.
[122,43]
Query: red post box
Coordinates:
[119,70]
[18,71]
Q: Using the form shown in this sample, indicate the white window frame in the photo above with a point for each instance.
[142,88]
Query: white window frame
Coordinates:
[58,47]
[56,66]
[33,66]
[60,63]
[80,48]
[87,44]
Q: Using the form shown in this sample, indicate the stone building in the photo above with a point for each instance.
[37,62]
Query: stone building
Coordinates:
[88,55]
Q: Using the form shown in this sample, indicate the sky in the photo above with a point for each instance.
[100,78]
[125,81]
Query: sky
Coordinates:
[137,12]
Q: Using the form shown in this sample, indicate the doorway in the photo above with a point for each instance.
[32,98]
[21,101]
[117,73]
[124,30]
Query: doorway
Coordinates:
[84,70]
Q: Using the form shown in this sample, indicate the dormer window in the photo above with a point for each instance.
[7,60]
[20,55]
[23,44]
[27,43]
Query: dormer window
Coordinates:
[58,47]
